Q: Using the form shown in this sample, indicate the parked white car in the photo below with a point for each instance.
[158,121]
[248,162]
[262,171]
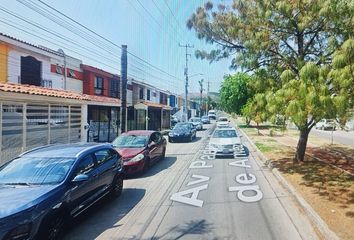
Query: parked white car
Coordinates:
[326,124]
[223,122]
[212,114]
[225,142]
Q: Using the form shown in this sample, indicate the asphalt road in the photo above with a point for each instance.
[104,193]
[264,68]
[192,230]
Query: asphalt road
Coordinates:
[186,196]
[339,136]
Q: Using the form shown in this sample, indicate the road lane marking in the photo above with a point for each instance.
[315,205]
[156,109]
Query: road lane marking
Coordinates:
[240,163]
[244,198]
[243,178]
[200,179]
[199,164]
[193,200]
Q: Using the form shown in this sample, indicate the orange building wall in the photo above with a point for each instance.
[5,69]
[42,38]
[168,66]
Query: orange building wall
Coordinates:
[3,63]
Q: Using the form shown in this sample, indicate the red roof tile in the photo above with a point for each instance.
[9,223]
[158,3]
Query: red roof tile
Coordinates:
[156,105]
[35,90]
[49,92]
[102,99]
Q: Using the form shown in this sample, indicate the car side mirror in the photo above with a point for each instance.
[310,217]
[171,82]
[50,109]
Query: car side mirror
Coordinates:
[80,178]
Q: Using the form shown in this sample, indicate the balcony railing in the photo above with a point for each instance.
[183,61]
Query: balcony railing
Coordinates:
[42,83]
[47,83]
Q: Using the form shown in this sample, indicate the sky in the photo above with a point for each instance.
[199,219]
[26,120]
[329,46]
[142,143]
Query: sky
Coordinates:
[152,30]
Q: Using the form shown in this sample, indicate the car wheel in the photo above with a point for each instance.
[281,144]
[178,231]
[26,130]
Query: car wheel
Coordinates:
[322,128]
[53,228]
[117,187]
[146,165]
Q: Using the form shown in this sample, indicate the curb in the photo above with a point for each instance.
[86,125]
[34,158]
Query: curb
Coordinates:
[309,211]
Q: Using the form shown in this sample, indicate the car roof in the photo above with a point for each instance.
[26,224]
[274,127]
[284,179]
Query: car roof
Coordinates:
[184,123]
[140,132]
[73,150]
[225,129]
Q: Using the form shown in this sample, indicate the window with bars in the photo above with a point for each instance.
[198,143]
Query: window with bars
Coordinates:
[99,86]
[114,88]
[148,95]
[141,93]
[163,98]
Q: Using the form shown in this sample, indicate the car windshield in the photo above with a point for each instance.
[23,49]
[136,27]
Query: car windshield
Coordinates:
[205,117]
[194,120]
[223,120]
[131,141]
[183,127]
[35,170]
[224,134]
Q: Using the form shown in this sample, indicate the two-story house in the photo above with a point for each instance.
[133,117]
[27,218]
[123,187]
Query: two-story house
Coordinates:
[150,109]
[103,117]
[41,98]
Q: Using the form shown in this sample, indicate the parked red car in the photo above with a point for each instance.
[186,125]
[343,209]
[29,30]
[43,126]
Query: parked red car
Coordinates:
[140,149]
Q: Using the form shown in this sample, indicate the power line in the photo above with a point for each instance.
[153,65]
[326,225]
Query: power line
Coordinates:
[75,43]
[107,40]
[159,9]
[186,46]
[174,16]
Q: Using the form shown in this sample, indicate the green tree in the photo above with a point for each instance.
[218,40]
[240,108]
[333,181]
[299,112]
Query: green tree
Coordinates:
[289,45]
[235,92]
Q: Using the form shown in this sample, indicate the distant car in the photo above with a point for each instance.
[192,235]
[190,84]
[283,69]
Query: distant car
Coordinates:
[140,149]
[197,123]
[224,141]
[174,121]
[43,187]
[205,120]
[326,124]
[212,114]
[223,122]
[182,132]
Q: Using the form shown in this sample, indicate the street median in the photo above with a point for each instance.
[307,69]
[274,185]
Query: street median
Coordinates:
[323,190]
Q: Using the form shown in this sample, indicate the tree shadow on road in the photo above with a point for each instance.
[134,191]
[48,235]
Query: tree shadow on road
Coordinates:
[104,215]
[193,227]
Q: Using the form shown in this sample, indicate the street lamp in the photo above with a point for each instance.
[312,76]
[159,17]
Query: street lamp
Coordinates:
[201,95]
[61,51]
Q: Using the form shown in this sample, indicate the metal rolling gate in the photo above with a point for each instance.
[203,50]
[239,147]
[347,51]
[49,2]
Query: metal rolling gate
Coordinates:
[24,126]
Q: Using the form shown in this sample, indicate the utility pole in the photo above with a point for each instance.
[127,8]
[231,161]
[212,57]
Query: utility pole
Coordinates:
[185,110]
[207,101]
[124,66]
[201,96]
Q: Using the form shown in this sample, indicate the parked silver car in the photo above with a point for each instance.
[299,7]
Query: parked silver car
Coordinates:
[197,123]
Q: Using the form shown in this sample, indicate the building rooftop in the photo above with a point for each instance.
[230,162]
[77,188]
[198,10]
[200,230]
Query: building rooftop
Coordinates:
[49,92]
